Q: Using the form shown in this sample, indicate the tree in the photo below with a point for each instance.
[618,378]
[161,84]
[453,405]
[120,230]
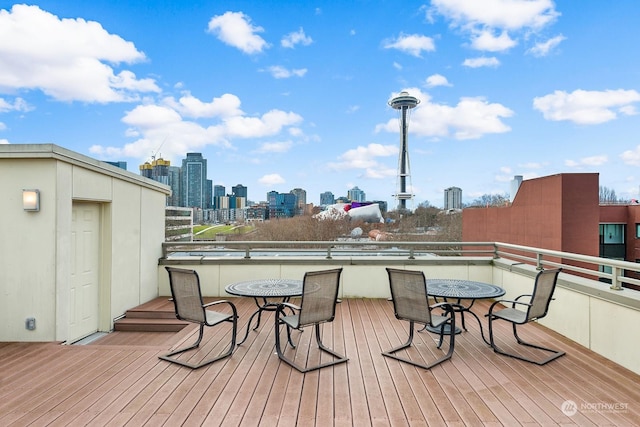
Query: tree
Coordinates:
[491,200]
[608,195]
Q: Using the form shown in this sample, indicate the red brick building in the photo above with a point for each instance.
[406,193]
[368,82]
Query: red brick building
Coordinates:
[559,212]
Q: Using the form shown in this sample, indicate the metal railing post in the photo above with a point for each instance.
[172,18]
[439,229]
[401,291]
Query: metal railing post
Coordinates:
[539,261]
[615,283]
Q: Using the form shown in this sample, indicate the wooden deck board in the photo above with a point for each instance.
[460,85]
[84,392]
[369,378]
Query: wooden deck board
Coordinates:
[119,380]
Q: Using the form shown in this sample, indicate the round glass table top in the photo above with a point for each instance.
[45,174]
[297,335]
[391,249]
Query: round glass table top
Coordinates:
[266,288]
[464,289]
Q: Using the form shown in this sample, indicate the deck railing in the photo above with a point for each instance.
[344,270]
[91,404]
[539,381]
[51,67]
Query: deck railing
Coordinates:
[615,272]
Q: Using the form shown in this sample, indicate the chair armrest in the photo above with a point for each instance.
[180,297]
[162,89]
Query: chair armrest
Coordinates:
[522,296]
[222,301]
[209,304]
[282,305]
[447,306]
[512,302]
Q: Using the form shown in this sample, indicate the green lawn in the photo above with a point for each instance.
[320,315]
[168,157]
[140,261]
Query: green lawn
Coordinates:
[209,231]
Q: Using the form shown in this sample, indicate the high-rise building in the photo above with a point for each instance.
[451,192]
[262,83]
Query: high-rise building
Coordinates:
[208,195]
[239,191]
[281,205]
[119,164]
[515,185]
[452,198]
[194,181]
[327,198]
[175,181]
[218,192]
[356,195]
[161,170]
[301,200]
[157,170]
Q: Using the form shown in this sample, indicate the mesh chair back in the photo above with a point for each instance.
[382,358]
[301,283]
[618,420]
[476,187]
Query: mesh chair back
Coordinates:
[409,294]
[542,293]
[319,294]
[187,298]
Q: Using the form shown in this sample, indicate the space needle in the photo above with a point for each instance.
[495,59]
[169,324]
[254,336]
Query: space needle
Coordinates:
[403,103]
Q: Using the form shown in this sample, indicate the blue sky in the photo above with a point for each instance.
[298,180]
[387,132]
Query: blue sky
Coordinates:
[293,94]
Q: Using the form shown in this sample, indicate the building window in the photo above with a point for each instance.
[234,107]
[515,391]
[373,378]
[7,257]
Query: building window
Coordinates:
[637,231]
[612,241]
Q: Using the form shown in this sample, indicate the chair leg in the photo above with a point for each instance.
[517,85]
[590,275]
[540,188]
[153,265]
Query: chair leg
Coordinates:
[452,338]
[339,357]
[554,353]
[168,357]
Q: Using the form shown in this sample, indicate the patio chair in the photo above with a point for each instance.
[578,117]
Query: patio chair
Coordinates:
[535,308]
[187,299]
[317,306]
[411,303]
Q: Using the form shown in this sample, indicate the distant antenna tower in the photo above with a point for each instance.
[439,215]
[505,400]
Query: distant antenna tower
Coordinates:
[403,103]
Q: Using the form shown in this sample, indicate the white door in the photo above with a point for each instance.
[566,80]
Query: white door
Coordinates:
[85,269]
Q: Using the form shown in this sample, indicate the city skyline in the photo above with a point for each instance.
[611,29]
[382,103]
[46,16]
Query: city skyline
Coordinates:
[525,88]
[159,169]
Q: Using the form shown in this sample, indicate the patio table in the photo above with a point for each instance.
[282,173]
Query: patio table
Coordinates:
[458,290]
[261,291]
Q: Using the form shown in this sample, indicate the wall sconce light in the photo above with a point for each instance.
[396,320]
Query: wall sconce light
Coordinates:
[31,200]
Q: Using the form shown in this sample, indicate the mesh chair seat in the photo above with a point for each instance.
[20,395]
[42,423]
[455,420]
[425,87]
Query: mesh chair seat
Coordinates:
[511,315]
[189,306]
[411,303]
[536,308]
[292,321]
[214,317]
[317,306]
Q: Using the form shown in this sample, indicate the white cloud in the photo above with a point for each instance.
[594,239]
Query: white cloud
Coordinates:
[365,158]
[269,124]
[4,141]
[413,44]
[479,20]
[481,62]
[587,107]
[587,161]
[486,41]
[471,118]
[18,104]
[271,179]
[437,80]
[166,125]
[280,72]
[507,14]
[235,29]
[543,48]
[275,147]
[66,59]
[189,106]
[631,157]
[294,38]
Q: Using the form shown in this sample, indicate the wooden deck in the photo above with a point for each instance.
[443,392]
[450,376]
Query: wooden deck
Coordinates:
[119,380]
